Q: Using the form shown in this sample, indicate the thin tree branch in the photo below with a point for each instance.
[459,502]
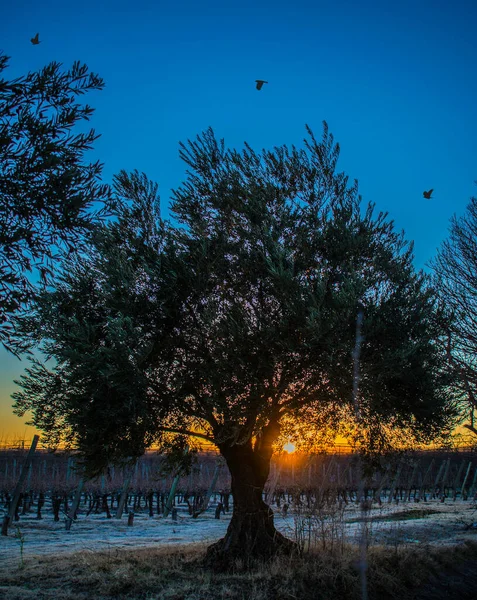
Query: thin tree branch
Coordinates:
[187,432]
[471,428]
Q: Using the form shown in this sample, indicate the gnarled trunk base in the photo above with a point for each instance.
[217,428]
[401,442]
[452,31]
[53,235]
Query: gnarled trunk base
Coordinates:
[250,538]
[251,535]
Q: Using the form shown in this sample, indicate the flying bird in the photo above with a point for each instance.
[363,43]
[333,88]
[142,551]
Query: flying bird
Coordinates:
[260,83]
[428,194]
[35,40]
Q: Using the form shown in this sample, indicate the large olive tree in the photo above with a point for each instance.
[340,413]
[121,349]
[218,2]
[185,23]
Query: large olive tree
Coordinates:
[236,322]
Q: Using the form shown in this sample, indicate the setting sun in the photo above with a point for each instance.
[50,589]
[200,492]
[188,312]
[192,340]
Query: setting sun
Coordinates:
[289,447]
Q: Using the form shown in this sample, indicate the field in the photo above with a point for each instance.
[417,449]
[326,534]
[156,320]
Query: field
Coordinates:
[420,510]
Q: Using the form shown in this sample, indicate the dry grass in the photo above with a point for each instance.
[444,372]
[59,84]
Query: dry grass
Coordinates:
[404,574]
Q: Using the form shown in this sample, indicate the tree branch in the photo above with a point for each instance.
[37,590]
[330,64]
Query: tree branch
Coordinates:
[471,428]
[187,432]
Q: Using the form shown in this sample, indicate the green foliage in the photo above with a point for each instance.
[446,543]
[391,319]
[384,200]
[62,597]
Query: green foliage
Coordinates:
[241,318]
[96,325]
[48,195]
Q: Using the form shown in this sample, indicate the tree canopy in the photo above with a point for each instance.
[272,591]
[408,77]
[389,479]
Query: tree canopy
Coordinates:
[237,323]
[455,269]
[48,196]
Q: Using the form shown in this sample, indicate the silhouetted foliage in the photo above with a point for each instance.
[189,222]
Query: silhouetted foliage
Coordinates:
[455,269]
[238,324]
[47,193]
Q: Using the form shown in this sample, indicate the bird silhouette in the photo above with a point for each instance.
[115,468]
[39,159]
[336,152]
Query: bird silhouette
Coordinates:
[35,40]
[260,83]
[428,194]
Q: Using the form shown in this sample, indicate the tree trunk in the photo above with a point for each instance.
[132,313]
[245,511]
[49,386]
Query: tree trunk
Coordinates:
[251,534]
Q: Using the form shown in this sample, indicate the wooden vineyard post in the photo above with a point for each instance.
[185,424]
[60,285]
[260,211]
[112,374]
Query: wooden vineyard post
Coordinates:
[462,489]
[30,470]
[442,492]
[457,479]
[7,520]
[344,483]
[382,483]
[172,493]
[324,482]
[436,483]
[211,489]
[413,476]
[124,493]
[395,482]
[472,487]
[422,492]
[74,507]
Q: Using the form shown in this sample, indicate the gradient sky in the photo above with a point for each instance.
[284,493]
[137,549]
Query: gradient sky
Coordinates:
[395,82]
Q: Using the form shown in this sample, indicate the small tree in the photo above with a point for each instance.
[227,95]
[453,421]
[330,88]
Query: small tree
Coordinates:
[455,269]
[239,324]
[47,193]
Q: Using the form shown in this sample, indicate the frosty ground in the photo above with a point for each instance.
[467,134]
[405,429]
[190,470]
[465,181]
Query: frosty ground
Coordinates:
[432,522]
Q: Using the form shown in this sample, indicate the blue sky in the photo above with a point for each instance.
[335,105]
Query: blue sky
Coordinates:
[395,82]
